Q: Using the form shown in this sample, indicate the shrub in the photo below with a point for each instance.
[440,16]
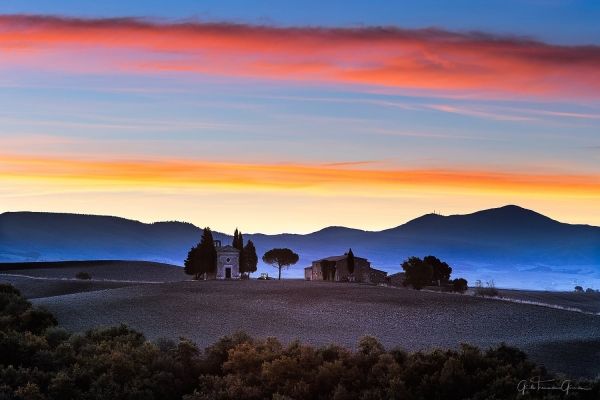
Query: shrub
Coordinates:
[37,320]
[460,285]
[17,314]
[9,289]
[83,275]
[489,290]
[578,289]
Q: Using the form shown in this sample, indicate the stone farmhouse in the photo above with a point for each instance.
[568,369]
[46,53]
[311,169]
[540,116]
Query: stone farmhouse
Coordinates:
[335,268]
[228,262]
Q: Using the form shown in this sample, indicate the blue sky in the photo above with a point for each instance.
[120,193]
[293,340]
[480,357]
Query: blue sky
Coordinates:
[558,21]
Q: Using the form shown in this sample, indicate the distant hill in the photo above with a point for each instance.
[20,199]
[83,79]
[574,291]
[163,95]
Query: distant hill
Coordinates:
[515,246]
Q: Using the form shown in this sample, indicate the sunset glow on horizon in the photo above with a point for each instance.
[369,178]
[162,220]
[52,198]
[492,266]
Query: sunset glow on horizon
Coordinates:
[291,126]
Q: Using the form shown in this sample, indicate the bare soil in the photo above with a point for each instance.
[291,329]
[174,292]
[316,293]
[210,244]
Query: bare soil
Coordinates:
[319,313]
[588,302]
[99,270]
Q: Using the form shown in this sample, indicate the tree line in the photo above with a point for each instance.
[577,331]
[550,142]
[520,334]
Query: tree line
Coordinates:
[202,258]
[41,361]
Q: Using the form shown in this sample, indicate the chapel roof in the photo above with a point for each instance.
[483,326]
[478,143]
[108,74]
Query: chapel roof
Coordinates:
[227,248]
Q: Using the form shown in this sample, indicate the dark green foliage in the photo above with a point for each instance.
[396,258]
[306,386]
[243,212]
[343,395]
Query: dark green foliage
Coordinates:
[202,258]
[328,270]
[244,368]
[418,273]
[280,258]
[579,289]
[351,261]
[440,270]
[238,243]
[430,271]
[9,290]
[17,314]
[83,275]
[191,265]
[235,241]
[460,285]
[207,252]
[250,258]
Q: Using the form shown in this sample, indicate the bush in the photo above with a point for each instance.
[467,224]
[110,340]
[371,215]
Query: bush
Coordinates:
[17,314]
[460,285]
[9,290]
[578,289]
[489,290]
[83,275]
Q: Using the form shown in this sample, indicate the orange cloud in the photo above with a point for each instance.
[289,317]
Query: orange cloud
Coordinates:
[358,178]
[426,59]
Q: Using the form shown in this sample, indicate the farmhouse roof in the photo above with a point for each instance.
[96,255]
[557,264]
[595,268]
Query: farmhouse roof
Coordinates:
[338,258]
[378,271]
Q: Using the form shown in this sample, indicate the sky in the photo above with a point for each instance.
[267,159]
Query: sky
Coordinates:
[275,116]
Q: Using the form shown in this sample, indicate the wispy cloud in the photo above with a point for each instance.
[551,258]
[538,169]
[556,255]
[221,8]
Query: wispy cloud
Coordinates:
[105,123]
[563,114]
[479,113]
[425,59]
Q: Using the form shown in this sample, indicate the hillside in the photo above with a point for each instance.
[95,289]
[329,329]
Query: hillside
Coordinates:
[514,246]
[103,270]
[323,312]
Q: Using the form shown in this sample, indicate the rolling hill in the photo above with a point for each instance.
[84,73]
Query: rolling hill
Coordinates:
[514,246]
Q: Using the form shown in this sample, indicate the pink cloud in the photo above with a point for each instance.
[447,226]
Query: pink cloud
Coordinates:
[425,59]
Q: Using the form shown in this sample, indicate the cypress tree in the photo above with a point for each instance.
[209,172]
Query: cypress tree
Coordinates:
[236,238]
[191,263]
[238,243]
[207,254]
[351,261]
[242,258]
[250,258]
